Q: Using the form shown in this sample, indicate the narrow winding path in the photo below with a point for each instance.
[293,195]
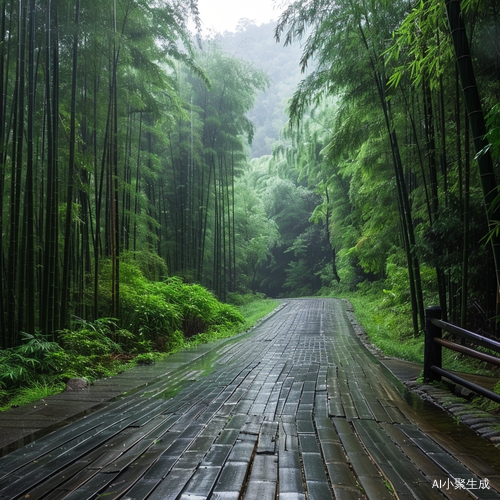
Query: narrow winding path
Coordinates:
[296,409]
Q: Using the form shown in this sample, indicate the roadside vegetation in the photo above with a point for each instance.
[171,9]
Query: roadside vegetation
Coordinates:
[160,318]
[389,328]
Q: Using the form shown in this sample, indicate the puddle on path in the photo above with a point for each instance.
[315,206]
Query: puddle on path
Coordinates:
[198,368]
[446,424]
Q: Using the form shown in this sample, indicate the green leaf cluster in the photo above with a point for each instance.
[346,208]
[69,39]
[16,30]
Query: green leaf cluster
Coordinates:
[166,312]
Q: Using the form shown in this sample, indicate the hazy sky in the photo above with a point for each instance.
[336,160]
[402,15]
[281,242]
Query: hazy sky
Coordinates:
[223,15]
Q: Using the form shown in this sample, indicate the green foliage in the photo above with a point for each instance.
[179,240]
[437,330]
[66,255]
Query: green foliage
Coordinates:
[419,42]
[146,358]
[493,137]
[200,310]
[165,312]
[151,265]
[385,317]
[89,349]
[99,349]
[298,278]
[387,324]
[34,391]
[152,318]
[242,300]
[284,251]
[21,364]
[94,338]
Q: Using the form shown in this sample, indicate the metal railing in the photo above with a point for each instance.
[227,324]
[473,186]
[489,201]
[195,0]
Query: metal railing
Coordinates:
[434,343]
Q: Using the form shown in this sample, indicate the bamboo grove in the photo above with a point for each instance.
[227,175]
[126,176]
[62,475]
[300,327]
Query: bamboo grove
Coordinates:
[125,139]
[399,147]
[120,138]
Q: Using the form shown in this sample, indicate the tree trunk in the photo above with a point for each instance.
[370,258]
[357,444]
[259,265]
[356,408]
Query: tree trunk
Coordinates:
[65,287]
[476,120]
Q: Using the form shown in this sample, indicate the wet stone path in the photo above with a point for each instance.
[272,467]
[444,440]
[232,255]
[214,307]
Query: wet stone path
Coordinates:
[295,410]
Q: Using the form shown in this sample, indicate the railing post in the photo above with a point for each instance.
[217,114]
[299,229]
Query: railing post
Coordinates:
[432,351]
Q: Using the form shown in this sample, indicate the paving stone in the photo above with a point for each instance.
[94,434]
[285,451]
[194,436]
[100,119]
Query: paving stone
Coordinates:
[314,467]
[228,436]
[308,443]
[347,493]
[172,485]
[260,491]
[341,474]
[289,427]
[321,406]
[236,422]
[266,443]
[291,443]
[305,426]
[375,488]
[264,468]
[317,490]
[253,424]
[201,483]
[225,495]
[290,480]
[332,452]
[290,408]
[242,451]
[328,434]
[362,465]
[292,496]
[351,443]
[307,398]
[232,477]
[289,459]
[217,455]
[335,408]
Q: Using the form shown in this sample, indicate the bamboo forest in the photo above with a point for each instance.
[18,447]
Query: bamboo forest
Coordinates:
[155,178]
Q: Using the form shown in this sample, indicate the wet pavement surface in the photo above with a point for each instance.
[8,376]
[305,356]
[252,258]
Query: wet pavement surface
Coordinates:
[295,409]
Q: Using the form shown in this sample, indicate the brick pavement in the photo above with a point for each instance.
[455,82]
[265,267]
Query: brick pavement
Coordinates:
[295,410]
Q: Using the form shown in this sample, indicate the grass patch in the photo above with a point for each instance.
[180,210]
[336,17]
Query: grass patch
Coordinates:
[378,324]
[255,310]
[389,327]
[35,391]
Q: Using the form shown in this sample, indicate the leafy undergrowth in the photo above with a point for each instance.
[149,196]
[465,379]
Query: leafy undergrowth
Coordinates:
[487,404]
[389,327]
[92,350]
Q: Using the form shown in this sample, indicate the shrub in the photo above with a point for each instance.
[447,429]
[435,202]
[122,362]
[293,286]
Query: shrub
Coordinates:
[89,348]
[93,338]
[150,264]
[200,309]
[163,313]
[21,364]
[154,319]
[225,315]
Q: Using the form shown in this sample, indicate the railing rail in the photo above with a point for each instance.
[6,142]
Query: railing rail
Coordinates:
[434,343]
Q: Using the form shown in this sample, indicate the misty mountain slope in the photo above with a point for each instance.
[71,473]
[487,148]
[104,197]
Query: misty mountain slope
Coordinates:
[258,45]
